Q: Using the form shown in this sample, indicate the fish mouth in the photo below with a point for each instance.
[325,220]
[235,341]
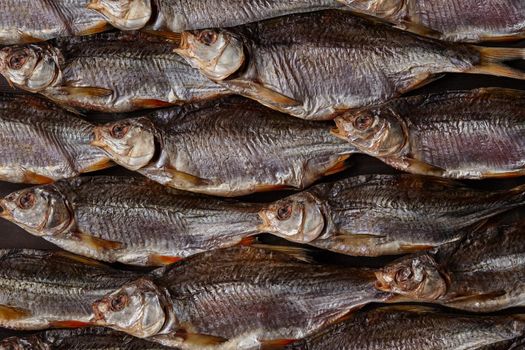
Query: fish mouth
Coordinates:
[5,213]
[337,132]
[381,284]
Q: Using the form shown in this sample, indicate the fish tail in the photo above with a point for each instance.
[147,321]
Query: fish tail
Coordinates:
[492,58]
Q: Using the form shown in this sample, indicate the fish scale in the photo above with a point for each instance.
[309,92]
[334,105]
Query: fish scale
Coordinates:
[181,15]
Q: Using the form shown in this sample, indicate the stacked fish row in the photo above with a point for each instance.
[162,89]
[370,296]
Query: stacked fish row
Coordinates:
[278,97]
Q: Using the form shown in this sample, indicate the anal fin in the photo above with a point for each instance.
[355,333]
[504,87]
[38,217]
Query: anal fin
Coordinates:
[100,165]
[275,344]
[85,91]
[99,27]
[264,94]
[270,188]
[68,324]
[414,248]
[199,339]
[185,179]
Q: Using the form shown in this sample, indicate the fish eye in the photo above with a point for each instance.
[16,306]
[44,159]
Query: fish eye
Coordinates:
[119,131]
[119,302]
[207,37]
[363,122]
[404,274]
[284,212]
[26,201]
[18,60]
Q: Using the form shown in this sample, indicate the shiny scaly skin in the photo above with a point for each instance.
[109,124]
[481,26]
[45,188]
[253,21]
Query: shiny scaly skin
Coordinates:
[331,61]
[81,339]
[244,293]
[52,287]
[148,219]
[470,20]
[389,328]
[403,210]
[239,146]
[181,15]
[491,260]
[484,128]
[134,66]
[42,20]
[42,139]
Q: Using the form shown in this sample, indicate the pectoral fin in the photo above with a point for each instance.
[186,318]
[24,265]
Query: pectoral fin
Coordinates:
[144,103]
[199,339]
[28,39]
[299,253]
[185,179]
[339,165]
[34,178]
[419,29]
[103,164]
[476,298]
[270,188]
[10,313]
[264,94]
[97,243]
[85,91]
[101,26]
[163,260]
[80,259]
[413,248]
[415,166]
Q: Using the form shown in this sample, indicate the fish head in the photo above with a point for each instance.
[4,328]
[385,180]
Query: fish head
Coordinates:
[130,142]
[298,218]
[216,53]
[137,308]
[386,9]
[417,277]
[42,211]
[123,14]
[31,67]
[378,132]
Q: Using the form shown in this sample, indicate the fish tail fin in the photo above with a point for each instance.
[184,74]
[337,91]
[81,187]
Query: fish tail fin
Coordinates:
[491,58]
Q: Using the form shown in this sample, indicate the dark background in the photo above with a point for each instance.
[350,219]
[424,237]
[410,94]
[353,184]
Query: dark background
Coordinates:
[13,237]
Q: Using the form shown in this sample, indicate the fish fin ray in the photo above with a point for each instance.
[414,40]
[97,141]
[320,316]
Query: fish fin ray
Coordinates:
[69,324]
[101,26]
[419,29]
[187,179]
[275,344]
[421,80]
[87,91]
[416,166]
[163,260]
[414,248]
[338,166]
[78,258]
[28,39]
[299,253]
[100,165]
[199,339]
[475,297]
[264,94]
[97,243]
[248,240]
[271,187]
[10,313]
[36,179]
[144,103]
[491,58]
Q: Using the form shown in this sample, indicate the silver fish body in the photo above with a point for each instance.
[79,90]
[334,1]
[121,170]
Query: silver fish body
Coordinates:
[23,21]
[237,298]
[484,128]
[316,65]
[129,220]
[79,339]
[456,20]
[41,143]
[481,273]
[110,72]
[40,289]
[230,148]
[375,215]
[415,328]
